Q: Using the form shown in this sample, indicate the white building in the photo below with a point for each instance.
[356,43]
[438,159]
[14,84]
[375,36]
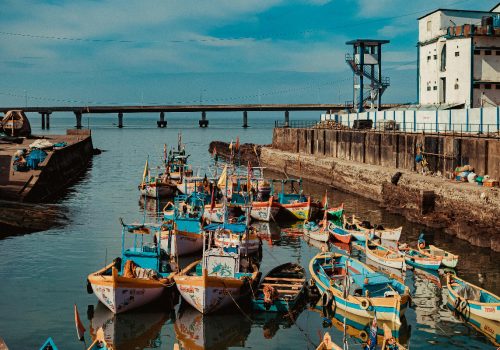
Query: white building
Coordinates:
[459,58]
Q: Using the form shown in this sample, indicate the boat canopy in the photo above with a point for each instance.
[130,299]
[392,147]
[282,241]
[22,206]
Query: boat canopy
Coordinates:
[236,228]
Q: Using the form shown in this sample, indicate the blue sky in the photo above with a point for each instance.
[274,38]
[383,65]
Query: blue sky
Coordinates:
[220,51]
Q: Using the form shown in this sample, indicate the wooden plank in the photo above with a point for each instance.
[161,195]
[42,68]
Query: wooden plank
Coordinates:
[283,285]
[285,279]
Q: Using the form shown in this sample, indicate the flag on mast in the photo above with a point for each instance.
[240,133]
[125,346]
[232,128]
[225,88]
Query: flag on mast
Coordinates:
[80,330]
[145,173]
[324,202]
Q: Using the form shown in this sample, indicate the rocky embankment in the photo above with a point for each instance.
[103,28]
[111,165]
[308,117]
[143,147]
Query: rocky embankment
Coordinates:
[248,152]
[468,211]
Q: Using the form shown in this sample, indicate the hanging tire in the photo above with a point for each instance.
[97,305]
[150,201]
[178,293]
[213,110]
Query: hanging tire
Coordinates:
[363,336]
[327,298]
[364,304]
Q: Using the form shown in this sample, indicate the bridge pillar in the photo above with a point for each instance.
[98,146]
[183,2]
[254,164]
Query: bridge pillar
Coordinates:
[162,123]
[42,114]
[203,122]
[245,119]
[287,119]
[78,116]
[48,119]
[120,120]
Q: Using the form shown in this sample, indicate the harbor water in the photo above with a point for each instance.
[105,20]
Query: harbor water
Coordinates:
[43,274]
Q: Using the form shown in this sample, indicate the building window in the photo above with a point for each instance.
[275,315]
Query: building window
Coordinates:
[443,58]
[477,85]
[428,58]
[487,52]
[497,86]
[457,53]
[435,87]
[428,88]
[456,86]
[429,26]
[497,52]
[477,52]
[435,57]
[487,86]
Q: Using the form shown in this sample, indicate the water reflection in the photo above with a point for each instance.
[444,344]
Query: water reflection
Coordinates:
[357,328]
[214,331]
[137,329]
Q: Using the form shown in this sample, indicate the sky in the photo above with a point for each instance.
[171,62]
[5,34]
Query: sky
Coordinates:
[141,52]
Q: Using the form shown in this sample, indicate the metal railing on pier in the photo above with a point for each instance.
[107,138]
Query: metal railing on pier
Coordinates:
[454,129]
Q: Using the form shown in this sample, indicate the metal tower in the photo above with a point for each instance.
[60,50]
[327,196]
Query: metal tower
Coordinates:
[366,63]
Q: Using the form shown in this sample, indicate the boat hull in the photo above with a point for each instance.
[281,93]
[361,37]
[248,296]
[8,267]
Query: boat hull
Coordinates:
[157,191]
[264,211]
[183,243]
[393,262]
[300,210]
[120,294]
[316,233]
[209,294]
[249,246]
[389,234]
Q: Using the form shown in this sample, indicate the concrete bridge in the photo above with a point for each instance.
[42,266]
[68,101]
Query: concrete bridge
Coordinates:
[46,112]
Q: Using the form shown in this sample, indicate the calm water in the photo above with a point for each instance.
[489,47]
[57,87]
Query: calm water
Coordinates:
[43,274]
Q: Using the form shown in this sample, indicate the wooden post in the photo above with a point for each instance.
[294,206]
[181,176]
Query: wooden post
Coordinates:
[245,119]
[287,119]
[78,116]
[48,120]
[120,120]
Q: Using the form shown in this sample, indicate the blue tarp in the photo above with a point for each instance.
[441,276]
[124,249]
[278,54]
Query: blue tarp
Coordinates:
[35,157]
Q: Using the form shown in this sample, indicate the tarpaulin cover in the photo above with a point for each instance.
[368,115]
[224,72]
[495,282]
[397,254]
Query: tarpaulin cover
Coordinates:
[35,157]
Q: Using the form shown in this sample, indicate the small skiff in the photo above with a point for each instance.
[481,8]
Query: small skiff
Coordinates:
[385,256]
[281,289]
[316,232]
[100,342]
[469,298]
[448,259]
[390,234]
[350,285]
[420,259]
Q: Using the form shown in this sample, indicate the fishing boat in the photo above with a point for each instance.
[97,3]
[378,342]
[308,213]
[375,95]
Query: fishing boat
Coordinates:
[316,232]
[490,328]
[49,345]
[296,203]
[189,184]
[159,186]
[281,289]
[340,229]
[328,344]
[264,210]
[182,235]
[352,286]
[469,298]
[15,123]
[448,259]
[236,235]
[357,232]
[420,259]
[390,234]
[385,256]
[99,342]
[141,275]
[216,281]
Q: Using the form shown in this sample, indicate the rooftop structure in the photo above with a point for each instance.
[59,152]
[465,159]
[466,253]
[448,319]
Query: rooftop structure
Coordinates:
[459,57]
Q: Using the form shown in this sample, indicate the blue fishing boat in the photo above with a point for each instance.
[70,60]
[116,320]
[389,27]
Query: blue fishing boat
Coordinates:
[142,274]
[181,232]
[49,345]
[295,202]
[281,289]
[352,286]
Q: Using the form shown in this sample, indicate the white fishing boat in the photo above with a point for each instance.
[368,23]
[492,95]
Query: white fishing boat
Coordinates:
[448,259]
[215,281]
[390,234]
[140,276]
[384,255]
[236,235]
[316,232]
[265,210]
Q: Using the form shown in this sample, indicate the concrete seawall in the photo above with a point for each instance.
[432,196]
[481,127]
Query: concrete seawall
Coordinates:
[364,162]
